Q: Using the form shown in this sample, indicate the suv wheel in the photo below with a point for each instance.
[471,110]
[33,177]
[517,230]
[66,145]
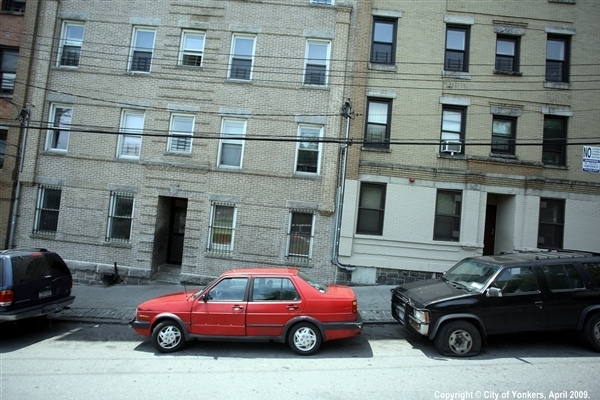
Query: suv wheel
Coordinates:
[304,339]
[592,331]
[458,338]
[167,337]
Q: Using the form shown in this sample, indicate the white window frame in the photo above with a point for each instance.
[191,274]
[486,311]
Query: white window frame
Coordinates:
[71,42]
[175,135]
[230,138]
[64,131]
[130,133]
[189,51]
[135,47]
[290,234]
[112,215]
[233,55]
[221,247]
[304,131]
[317,61]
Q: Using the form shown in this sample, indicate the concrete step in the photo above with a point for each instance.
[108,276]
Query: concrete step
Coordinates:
[165,277]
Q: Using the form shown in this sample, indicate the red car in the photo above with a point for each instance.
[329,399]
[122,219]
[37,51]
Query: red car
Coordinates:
[254,304]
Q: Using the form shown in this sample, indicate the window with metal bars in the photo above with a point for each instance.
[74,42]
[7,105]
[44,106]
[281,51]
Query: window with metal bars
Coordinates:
[47,210]
[120,217]
[221,231]
[300,235]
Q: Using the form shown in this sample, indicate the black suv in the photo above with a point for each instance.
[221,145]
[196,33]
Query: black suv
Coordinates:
[507,293]
[33,283]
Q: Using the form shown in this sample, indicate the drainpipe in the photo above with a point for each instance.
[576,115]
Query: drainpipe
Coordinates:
[24,118]
[347,113]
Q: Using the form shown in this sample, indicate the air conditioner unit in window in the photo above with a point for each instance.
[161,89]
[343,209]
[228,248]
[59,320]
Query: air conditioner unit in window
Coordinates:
[450,146]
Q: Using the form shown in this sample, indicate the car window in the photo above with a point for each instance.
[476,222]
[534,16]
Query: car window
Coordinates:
[473,274]
[274,289]
[229,289]
[562,277]
[29,269]
[594,270]
[516,280]
[321,287]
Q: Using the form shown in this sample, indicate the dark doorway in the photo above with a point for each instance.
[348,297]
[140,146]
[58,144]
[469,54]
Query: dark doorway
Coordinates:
[176,231]
[489,236]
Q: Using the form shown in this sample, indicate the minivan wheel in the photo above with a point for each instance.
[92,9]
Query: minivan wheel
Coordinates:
[458,338]
[592,331]
[167,337]
[304,338]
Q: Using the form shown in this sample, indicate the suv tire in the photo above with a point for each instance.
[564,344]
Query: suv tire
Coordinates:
[458,338]
[592,331]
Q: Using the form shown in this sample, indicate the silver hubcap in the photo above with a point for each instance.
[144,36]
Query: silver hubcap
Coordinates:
[169,337]
[305,339]
[460,342]
[597,331]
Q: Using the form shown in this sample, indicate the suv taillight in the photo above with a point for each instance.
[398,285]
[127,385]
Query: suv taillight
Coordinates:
[6,297]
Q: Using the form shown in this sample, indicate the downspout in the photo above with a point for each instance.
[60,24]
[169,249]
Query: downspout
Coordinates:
[347,113]
[13,220]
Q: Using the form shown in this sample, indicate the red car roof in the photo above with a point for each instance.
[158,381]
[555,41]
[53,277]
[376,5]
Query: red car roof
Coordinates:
[262,271]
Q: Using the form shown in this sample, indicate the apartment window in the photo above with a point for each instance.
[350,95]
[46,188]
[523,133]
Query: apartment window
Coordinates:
[554,148]
[300,234]
[557,59]
[503,135]
[453,130]
[242,55]
[447,215]
[71,41]
[371,209]
[60,125]
[17,6]
[383,48]
[231,147]
[507,53]
[308,152]
[552,223]
[316,63]
[130,139]
[457,49]
[141,49]
[379,118]
[8,69]
[3,139]
[46,212]
[222,228]
[120,217]
[180,133]
[192,49]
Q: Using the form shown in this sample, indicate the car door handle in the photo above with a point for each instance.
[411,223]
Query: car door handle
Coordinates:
[539,304]
[292,307]
[237,308]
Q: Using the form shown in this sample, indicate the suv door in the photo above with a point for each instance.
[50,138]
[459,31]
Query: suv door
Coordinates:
[520,306]
[567,295]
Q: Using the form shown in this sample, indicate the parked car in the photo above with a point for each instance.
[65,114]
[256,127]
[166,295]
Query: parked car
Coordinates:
[508,293]
[33,283]
[253,304]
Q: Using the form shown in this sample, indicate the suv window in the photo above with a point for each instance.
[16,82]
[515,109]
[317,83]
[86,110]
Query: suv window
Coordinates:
[517,280]
[594,270]
[562,277]
[34,267]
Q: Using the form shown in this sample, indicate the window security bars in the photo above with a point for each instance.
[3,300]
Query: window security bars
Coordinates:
[300,236]
[120,217]
[221,231]
[48,207]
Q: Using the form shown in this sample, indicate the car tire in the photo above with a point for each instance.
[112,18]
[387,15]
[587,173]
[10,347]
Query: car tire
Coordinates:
[168,337]
[304,338]
[592,331]
[458,338]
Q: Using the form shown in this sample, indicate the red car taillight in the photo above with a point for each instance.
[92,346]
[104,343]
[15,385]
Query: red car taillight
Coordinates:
[6,297]
[354,306]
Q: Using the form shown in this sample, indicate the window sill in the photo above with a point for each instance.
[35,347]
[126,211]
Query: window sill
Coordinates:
[307,175]
[557,85]
[509,73]
[6,95]
[123,245]
[553,166]
[457,156]
[456,74]
[178,153]
[244,81]
[376,149]
[383,67]
[314,87]
[137,73]
[504,156]
[127,159]
[217,254]
[55,152]
[563,1]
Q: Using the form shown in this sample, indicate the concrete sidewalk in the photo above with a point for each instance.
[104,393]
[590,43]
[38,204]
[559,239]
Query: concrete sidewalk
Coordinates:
[117,304]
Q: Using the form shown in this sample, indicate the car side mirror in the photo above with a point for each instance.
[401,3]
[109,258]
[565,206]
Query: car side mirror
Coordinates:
[494,292]
[206,297]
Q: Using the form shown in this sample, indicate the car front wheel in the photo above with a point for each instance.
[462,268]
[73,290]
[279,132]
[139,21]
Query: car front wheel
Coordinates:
[592,331]
[304,339]
[458,338]
[167,337]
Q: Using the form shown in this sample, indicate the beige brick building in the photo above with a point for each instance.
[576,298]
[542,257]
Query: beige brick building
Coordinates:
[472,122]
[185,138]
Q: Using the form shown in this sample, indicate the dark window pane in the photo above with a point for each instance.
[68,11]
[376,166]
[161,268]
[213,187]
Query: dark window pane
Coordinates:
[240,69]
[141,61]
[315,75]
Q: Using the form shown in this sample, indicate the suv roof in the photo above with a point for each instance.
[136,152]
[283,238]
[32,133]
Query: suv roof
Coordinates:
[510,258]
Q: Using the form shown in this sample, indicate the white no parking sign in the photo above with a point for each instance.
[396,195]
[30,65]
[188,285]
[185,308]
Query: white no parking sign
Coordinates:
[591,159]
